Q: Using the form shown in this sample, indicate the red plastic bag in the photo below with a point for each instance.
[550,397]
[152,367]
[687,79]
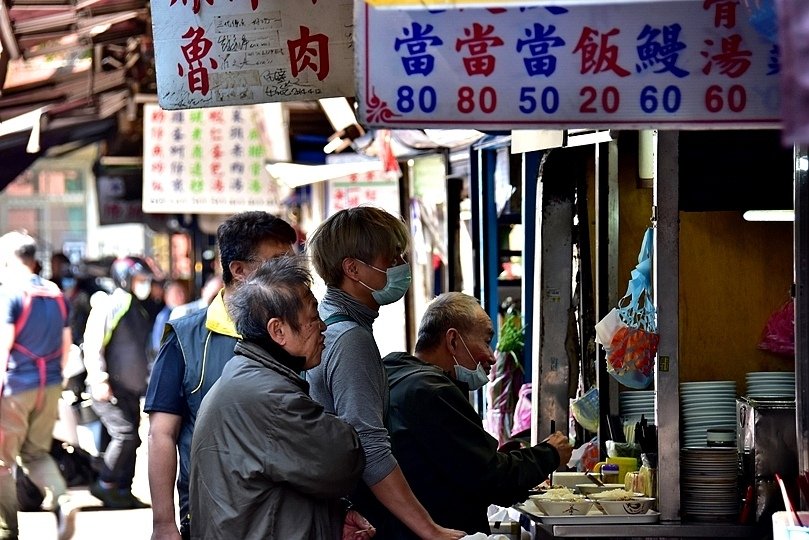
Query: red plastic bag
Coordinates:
[779,332]
[631,356]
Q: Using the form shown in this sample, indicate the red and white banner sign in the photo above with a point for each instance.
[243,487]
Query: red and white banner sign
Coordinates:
[236,52]
[680,64]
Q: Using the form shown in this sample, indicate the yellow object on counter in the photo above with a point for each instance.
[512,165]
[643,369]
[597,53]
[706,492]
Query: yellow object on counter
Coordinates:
[625,465]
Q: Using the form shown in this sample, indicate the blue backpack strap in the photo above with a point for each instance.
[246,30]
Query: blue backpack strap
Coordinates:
[338,317]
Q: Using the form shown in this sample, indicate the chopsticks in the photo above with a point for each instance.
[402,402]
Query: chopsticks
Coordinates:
[792,515]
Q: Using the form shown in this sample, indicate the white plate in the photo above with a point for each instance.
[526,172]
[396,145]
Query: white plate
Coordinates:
[709,392]
[708,384]
[705,400]
[728,394]
[707,411]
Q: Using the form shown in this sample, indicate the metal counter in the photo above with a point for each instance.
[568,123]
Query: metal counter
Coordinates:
[660,530]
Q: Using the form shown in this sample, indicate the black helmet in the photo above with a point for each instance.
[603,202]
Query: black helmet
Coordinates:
[124,268]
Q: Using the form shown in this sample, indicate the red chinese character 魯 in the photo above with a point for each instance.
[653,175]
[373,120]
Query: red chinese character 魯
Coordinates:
[194,53]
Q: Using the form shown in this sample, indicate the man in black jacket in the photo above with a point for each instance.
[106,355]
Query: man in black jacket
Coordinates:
[450,461]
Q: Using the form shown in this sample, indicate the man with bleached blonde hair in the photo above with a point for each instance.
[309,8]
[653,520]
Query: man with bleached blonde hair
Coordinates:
[359,253]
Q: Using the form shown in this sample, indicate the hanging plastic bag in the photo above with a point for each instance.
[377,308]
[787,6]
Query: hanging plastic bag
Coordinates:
[585,410]
[522,411]
[632,349]
[779,332]
[608,327]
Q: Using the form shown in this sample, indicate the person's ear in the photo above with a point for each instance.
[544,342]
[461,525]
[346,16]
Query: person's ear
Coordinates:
[451,340]
[239,270]
[277,331]
[350,268]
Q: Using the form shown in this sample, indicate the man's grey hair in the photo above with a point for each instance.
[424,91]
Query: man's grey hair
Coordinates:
[449,310]
[272,291]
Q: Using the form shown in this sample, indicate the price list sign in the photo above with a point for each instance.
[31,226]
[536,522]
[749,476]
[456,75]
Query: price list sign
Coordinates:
[236,52]
[671,65]
[205,161]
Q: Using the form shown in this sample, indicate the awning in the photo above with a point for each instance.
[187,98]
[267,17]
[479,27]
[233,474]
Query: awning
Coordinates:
[15,147]
[453,4]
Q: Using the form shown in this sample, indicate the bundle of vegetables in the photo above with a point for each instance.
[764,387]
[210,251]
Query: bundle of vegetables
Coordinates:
[506,378]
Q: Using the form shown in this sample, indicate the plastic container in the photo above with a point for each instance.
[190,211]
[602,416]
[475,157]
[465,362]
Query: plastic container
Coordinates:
[609,473]
[782,530]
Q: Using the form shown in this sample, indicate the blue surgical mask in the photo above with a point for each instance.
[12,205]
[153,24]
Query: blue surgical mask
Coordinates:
[474,378]
[398,281]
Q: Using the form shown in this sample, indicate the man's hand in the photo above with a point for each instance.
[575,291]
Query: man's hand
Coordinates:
[446,534]
[101,391]
[562,445]
[356,527]
[165,531]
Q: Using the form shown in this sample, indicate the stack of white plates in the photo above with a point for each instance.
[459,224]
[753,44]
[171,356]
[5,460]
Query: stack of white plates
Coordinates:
[708,484]
[766,384]
[633,404]
[705,405]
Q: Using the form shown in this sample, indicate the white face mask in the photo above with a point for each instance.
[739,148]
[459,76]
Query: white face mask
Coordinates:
[142,290]
[474,378]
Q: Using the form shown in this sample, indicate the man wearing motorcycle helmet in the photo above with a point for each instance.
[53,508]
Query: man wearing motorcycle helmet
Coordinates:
[115,343]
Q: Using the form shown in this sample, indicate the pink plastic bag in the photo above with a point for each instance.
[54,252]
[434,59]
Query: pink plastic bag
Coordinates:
[779,332]
[522,411]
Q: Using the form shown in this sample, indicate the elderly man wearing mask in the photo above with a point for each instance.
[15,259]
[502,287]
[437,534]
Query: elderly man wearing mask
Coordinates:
[450,461]
[267,460]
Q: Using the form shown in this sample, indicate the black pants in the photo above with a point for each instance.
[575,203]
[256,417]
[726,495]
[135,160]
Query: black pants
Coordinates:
[121,418]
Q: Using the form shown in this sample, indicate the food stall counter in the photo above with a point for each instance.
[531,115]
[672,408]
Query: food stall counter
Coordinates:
[658,530]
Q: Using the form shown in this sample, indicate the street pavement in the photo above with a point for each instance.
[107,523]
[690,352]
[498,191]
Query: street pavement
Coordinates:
[93,522]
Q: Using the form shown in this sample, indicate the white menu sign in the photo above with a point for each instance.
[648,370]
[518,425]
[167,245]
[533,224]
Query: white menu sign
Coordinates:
[672,65]
[205,161]
[235,52]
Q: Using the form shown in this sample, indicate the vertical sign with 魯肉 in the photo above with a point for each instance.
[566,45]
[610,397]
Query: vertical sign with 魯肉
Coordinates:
[680,64]
[236,52]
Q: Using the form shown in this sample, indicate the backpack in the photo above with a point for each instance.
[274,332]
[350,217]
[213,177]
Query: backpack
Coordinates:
[47,290]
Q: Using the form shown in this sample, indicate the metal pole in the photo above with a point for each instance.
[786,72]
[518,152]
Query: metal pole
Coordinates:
[801,262]
[666,283]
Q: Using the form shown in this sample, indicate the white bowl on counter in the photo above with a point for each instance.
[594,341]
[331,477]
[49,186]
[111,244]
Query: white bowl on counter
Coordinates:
[590,488]
[568,479]
[634,507]
[562,508]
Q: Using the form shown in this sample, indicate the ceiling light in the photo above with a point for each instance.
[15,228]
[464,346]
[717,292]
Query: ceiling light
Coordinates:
[769,215]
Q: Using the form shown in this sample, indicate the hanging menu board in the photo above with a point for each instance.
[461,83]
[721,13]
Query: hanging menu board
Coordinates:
[235,52]
[205,161]
[676,64]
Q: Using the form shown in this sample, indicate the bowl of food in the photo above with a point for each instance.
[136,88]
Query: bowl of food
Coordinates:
[561,502]
[620,502]
[633,507]
[590,488]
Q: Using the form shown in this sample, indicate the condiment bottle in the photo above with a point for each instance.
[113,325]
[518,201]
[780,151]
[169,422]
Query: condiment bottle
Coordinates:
[609,473]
